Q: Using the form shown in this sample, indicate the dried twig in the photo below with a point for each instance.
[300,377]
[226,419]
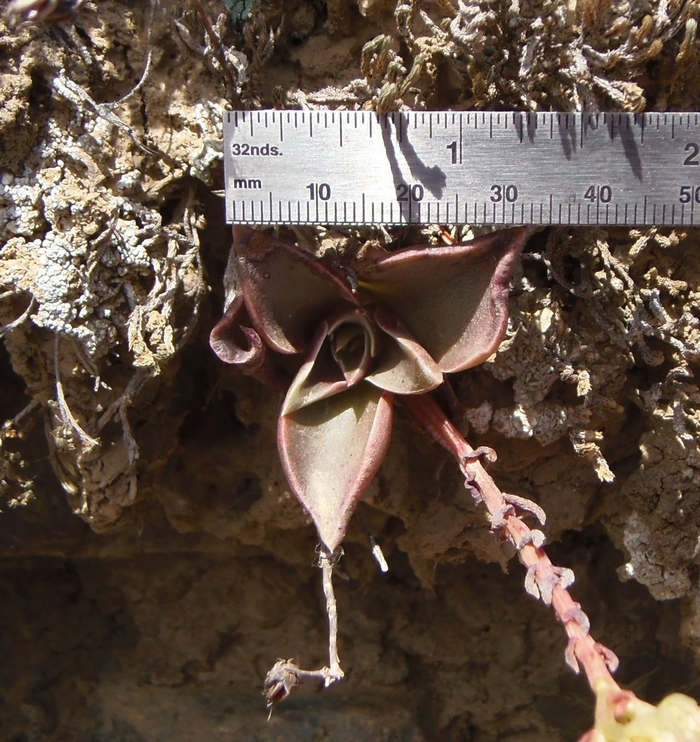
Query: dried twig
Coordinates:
[218,49]
[20,320]
[79,96]
[67,418]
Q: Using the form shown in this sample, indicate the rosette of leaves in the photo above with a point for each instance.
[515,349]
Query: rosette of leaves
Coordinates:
[393,326]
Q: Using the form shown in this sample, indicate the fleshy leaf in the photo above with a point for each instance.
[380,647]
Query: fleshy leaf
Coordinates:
[287,291]
[319,376]
[404,366]
[229,338]
[333,362]
[330,452]
[454,300]
[354,342]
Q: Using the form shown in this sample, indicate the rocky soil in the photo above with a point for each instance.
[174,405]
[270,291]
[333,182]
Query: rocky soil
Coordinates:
[153,563]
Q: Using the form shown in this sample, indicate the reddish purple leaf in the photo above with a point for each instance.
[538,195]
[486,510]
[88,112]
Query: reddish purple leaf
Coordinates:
[287,291]
[404,366]
[330,452]
[339,357]
[229,339]
[454,300]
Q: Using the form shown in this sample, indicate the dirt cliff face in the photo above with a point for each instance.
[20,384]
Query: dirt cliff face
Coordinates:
[154,563]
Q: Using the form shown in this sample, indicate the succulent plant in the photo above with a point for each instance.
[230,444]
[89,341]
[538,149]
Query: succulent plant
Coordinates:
[394,326]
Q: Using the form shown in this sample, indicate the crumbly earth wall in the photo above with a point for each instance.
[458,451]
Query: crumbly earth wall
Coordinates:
[153,563]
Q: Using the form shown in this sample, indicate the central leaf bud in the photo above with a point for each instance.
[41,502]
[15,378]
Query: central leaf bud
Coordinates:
[354,342]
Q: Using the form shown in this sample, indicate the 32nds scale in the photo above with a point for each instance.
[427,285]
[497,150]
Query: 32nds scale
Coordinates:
[458,167]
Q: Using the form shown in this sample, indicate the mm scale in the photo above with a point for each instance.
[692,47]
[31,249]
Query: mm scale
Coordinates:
[457,167]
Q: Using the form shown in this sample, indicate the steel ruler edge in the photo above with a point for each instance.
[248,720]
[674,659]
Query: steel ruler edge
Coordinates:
[459,167]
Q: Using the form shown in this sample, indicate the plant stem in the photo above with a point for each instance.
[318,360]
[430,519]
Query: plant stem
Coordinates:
[285,675]
[334,670]
[543,580]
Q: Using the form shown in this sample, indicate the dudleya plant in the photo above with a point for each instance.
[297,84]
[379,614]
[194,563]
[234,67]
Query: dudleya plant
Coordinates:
[341,343]
[395,328]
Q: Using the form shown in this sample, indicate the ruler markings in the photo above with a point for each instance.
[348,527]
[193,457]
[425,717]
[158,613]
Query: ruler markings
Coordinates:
[461,139]
[634,173]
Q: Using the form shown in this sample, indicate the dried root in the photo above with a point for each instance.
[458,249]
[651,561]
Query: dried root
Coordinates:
[285,675]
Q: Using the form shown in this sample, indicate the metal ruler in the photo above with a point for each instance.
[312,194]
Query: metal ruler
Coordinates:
[456,167]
